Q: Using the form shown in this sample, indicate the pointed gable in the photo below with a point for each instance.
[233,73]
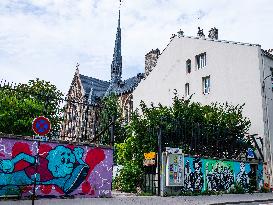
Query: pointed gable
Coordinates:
[76,91]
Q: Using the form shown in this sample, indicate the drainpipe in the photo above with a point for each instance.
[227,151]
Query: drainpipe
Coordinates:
[267,141]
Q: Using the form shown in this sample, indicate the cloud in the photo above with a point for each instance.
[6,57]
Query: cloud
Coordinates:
[46,38]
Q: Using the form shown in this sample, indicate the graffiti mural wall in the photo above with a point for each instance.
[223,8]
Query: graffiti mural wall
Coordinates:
[203,174]
[61,169]
[260,181]
[219,175]
[193,174]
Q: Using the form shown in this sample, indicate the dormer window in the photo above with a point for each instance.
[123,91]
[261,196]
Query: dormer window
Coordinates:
[188,66]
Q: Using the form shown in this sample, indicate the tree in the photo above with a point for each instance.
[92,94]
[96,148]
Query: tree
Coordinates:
[203,130]
[110,108]
[19,106]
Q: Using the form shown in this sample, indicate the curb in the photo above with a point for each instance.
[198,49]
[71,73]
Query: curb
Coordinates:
[240,202]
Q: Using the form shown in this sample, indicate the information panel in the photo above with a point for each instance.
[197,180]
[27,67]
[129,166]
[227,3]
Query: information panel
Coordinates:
[175,170]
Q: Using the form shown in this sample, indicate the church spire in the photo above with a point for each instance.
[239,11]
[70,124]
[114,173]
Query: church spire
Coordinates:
[116,66]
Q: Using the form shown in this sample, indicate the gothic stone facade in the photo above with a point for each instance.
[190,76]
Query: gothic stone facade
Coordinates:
[85,93]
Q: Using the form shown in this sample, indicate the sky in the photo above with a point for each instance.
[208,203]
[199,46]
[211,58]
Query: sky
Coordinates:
[45,39]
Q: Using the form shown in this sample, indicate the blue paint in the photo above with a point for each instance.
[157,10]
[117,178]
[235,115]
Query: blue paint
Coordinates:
[194,174]
[62,167]
[260,181]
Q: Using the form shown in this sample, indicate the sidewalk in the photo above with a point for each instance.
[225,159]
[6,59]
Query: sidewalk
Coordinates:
[120,199]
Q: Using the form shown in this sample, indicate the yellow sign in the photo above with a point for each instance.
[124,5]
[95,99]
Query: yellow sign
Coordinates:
[149,162]
[150,155]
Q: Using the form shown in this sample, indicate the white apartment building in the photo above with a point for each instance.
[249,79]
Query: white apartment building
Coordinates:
[215,71]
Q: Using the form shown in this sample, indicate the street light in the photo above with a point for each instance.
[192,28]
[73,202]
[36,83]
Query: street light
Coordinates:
[264,81]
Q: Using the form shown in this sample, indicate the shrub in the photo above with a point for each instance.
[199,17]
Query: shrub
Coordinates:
[237,189]
[129,179]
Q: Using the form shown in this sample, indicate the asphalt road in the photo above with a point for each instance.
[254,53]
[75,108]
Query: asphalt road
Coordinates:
[138,200]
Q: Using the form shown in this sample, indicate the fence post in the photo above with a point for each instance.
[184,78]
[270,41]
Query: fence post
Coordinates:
[112,131]
[159,156]
[35,178]
[95,125]
[86,122]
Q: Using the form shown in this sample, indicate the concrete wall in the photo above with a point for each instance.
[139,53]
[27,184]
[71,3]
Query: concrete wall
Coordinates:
[233,69]
[204,174]
[63,169]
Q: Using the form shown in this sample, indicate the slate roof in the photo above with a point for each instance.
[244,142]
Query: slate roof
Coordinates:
[95,89]
[122,87]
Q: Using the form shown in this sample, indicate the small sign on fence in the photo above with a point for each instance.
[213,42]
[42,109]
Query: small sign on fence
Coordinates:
[250,153]
[171,150]
[40,138]
[149,162]
[150,155]
[149,159]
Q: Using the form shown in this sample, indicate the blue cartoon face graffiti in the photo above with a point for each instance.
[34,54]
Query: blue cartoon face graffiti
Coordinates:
[62,167]
[61,161]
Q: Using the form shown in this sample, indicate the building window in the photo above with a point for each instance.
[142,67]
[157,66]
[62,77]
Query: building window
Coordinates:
[201,60]
[188,66]
[187,89]
[206,85]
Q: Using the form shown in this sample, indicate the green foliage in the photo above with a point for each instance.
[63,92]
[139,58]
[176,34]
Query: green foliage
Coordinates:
[196,193]
[110,107]
[212,121]
[264,190]
[19,106]
[237,189]
[130,177]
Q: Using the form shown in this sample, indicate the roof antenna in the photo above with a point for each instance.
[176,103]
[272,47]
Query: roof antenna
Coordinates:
[77,68]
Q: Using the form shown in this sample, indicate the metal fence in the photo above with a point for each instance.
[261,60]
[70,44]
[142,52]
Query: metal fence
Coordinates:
[205,140]
[195,139]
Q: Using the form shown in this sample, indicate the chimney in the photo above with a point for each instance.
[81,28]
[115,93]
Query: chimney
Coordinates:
[213,33]
[200,33]
[180,33]
[151,61]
